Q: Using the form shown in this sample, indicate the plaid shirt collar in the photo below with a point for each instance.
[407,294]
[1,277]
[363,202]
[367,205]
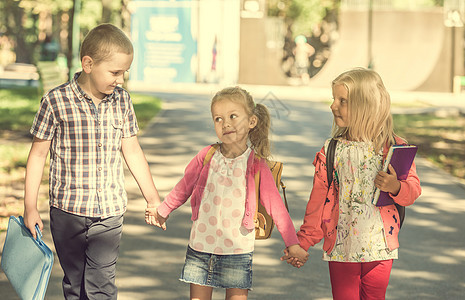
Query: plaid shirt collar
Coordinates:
[84,96]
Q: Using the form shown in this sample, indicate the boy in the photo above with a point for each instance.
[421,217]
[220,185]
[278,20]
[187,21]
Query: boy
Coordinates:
[85,123]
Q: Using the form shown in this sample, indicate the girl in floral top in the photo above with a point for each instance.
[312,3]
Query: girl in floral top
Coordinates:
[223,200]
[360,238]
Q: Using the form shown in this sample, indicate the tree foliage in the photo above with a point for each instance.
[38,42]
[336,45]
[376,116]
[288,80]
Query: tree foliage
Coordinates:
[303,15]
[26,23]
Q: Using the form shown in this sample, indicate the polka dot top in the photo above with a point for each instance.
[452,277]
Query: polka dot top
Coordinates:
[219,229]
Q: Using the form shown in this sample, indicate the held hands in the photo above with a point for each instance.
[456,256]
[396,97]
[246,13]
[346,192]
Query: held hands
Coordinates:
[295,255]
[387,182]
[152,217]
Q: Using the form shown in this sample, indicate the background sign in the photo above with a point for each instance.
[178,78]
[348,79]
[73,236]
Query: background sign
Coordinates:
[164,46]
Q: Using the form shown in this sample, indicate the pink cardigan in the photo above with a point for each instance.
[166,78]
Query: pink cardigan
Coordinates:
[322,213]
[193,184]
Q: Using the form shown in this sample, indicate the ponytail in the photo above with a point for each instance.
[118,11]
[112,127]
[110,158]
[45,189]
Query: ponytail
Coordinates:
[258,135]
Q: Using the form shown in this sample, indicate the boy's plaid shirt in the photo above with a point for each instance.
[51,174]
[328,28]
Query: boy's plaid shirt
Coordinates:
[86,167]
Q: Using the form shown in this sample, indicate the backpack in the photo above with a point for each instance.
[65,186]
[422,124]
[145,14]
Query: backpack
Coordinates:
[329,172]
[263,222]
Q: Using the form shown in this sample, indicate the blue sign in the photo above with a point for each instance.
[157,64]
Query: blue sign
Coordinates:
[164,47]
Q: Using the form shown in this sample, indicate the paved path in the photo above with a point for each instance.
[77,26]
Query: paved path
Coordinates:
[432,254]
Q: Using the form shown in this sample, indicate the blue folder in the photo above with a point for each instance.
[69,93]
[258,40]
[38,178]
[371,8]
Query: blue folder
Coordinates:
[27,262]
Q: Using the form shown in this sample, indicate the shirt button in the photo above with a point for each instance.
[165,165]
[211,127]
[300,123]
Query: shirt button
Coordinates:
[100,144]
[247,214]
[246,223]
[99,190]
[100,168]
[100,122]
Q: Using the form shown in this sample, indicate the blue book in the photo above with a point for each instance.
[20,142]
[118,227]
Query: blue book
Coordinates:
[27,262]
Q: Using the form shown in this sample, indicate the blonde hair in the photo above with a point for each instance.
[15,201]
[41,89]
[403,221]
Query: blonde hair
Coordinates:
[104,40]
[369,106]
[258,136]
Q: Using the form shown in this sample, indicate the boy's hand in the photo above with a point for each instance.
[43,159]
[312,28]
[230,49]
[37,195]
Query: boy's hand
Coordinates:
[152,217]
[387,182]
[31,218]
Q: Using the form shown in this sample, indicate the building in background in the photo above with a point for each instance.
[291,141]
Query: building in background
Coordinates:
[185,41]
[235,42]
[164,34]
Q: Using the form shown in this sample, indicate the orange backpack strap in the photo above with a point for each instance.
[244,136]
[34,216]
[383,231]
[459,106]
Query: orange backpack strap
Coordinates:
[210,153]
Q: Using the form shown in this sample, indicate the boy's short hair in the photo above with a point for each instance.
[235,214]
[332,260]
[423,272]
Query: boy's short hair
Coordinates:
[104,40]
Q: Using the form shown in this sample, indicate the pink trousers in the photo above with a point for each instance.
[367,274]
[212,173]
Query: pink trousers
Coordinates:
[356,281]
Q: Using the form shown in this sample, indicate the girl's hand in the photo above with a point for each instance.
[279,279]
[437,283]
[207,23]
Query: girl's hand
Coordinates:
[295,255]
[387,182]
[152,217]
[298,252]
[286,255]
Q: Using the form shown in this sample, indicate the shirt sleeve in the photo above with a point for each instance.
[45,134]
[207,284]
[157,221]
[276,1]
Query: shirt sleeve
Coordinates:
[44,125]
[410,188]
[130,126]
[274,206]
[190,185]
[311,232]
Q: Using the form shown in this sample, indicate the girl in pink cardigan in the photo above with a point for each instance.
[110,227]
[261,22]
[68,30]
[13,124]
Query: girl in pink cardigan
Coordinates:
[360,239]
[223,201]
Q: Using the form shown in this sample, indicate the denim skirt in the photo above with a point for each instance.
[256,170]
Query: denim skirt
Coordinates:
[219,271]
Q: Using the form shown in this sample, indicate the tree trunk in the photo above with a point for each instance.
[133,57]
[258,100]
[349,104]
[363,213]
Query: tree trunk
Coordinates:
[106,11]
[15,29]
[125,16]
[69,53]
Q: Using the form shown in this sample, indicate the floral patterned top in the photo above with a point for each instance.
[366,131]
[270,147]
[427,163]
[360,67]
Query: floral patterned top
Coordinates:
[360,232]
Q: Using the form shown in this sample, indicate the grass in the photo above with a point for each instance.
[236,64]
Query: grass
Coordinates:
[17,110]
[146,107]
[440,139]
